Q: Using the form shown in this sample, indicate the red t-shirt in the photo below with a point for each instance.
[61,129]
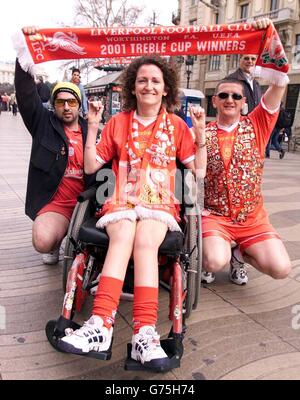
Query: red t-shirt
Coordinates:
[72,183]
[115,133]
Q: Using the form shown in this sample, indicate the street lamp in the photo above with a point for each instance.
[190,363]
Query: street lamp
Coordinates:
[189,62]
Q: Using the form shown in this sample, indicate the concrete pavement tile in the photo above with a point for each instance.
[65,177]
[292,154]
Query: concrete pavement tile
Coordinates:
[277,367]
[230,353]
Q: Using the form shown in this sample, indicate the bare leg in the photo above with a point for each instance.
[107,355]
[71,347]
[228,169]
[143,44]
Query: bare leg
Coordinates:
[48,231]
[149,236]
[269,257]
[121,237]
[216,253]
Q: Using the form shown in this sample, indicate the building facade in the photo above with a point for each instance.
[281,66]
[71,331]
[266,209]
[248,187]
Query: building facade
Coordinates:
[206,71]
[7,72]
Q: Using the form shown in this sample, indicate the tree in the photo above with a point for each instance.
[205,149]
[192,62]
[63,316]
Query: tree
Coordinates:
[99,13]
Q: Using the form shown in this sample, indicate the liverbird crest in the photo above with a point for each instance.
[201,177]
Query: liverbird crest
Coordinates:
[67,42]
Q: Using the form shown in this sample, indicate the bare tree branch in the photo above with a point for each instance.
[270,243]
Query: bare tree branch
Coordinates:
[102,13]
[99,13]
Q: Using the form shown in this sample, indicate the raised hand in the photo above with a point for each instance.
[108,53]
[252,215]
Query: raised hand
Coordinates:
[30,30]
[95,112]
[261,23]
[198,121]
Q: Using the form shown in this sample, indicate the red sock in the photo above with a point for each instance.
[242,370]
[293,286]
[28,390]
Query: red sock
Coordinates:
[145,307]
[107,299]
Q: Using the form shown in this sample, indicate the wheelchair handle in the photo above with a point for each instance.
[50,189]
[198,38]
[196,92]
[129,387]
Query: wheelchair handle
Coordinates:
[87,194]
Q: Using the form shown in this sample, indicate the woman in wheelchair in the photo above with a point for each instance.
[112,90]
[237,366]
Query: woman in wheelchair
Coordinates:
[143,143]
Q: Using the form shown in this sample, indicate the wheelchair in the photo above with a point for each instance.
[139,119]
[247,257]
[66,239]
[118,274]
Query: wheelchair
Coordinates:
[180,261]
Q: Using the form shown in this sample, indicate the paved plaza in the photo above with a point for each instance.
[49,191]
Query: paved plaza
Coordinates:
[250,332]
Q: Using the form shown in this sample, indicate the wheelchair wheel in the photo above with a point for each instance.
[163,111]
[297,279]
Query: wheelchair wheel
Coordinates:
[191,248]
[80,214]
[199,262]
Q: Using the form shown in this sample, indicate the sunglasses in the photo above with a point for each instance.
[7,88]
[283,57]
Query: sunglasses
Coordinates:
[62,102]
[224,95]
[249,58]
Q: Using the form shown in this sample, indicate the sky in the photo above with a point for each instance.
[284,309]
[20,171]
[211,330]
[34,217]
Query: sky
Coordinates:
[52,13]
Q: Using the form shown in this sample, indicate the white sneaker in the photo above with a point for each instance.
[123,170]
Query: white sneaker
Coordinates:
[51,258]
[92,336]
[146,348]
[238,271]
[207,277]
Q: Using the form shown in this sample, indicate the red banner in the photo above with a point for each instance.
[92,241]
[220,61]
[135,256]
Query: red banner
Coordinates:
[73,43]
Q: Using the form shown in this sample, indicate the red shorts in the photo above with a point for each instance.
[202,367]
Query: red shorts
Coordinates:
[64,208]
[244,235]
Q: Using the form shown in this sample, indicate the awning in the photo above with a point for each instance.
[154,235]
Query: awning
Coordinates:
[191,93]
[105,80]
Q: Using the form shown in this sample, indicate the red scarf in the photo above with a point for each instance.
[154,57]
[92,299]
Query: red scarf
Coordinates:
[70,43]
[147,179]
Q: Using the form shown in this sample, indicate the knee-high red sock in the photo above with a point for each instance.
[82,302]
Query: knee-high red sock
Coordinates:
[145,307]
[107,299]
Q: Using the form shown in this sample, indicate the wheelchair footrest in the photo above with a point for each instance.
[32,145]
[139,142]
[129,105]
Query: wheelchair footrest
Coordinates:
[100,355]
[173,354]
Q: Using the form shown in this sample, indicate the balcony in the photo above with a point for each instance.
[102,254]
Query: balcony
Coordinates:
[277,16]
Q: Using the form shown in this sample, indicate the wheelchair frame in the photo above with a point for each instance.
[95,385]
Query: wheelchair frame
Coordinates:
[183,270]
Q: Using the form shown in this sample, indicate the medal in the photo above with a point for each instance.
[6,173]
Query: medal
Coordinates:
[128,187]
[158,176]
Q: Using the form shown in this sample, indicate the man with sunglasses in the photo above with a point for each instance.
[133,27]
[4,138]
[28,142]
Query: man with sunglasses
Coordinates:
[252,90]
[234,210]
[55,176]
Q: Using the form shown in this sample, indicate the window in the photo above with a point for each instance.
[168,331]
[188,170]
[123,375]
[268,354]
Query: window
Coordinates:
[234,61]
[296,59]
[216,18]
[244,11]
[214,63]
[273,5]
[297,48]
[211,111]
[292,98]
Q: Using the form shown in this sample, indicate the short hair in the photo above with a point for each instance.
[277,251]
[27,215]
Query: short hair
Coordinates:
[244,55]
[170,76]
[75,70]
[230,80]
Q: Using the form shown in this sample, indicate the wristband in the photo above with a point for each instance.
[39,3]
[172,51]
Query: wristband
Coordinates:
[200,145]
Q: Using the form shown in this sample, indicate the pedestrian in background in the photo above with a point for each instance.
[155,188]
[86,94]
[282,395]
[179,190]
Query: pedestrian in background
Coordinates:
[13,104]
[43,91]
[284,121]
[76,80]
[252,90]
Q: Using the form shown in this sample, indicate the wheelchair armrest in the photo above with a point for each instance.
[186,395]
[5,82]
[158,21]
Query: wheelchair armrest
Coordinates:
[87,194]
